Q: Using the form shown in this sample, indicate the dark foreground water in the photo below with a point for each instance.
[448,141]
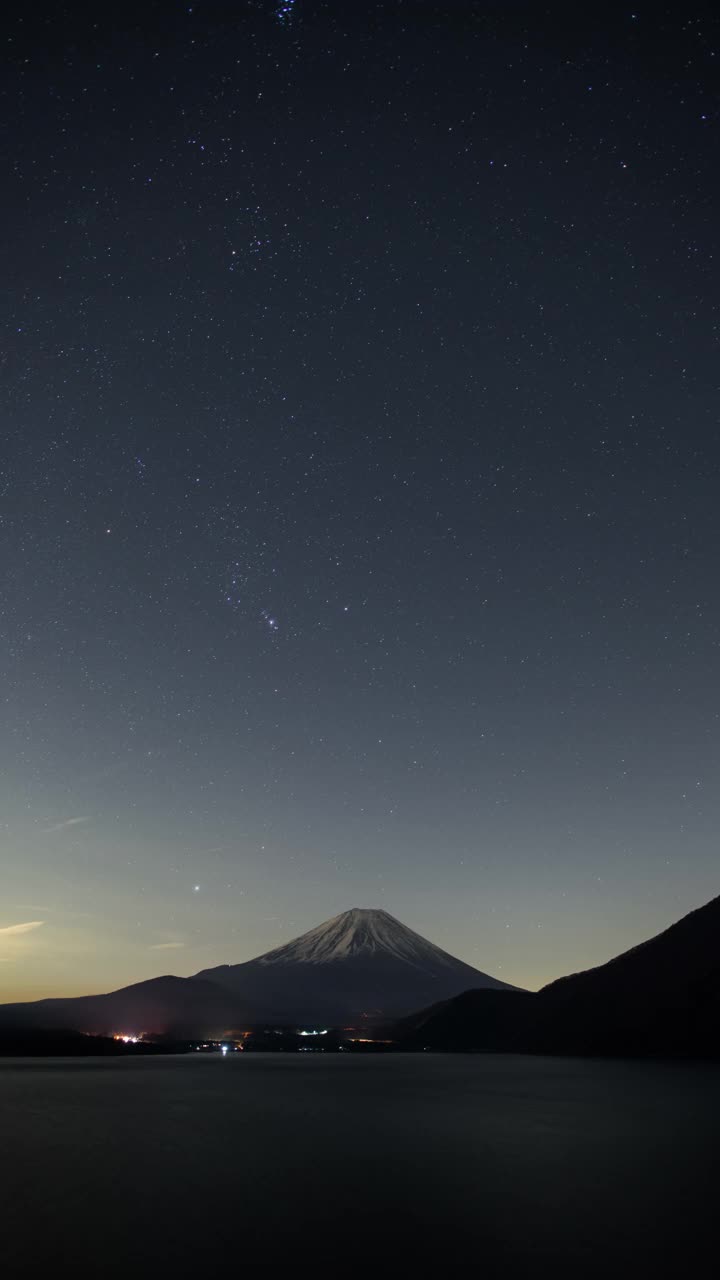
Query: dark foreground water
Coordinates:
[285,1164]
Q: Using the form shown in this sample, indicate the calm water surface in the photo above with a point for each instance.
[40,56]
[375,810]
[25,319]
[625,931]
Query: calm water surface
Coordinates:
[504,1166]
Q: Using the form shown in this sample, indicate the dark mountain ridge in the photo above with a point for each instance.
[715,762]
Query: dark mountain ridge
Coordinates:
[659,998]
[166,1005]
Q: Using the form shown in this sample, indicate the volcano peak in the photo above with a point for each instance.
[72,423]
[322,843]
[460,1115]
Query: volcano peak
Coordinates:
[361,931]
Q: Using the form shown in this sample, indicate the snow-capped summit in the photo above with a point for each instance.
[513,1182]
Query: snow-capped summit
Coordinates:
[362,962]
[360,931]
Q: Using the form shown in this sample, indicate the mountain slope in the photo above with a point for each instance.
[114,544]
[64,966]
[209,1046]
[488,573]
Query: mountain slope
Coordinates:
[477,1021]
[661,998]
[362,963]
[167,1005]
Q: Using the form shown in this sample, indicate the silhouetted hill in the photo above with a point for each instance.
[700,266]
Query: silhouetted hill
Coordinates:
[474,1022]
[167,1006]
[661,998]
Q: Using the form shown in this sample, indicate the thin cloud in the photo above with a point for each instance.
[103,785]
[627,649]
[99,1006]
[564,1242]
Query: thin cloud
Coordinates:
[166,946]
[67,822]
[14,930]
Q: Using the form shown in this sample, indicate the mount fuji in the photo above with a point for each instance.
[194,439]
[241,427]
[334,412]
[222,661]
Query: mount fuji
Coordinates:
[362,963]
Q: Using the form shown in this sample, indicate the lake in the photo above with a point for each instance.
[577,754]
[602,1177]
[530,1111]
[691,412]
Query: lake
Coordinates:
[447,1164]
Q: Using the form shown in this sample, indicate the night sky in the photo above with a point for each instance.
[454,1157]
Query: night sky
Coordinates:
[360,502]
